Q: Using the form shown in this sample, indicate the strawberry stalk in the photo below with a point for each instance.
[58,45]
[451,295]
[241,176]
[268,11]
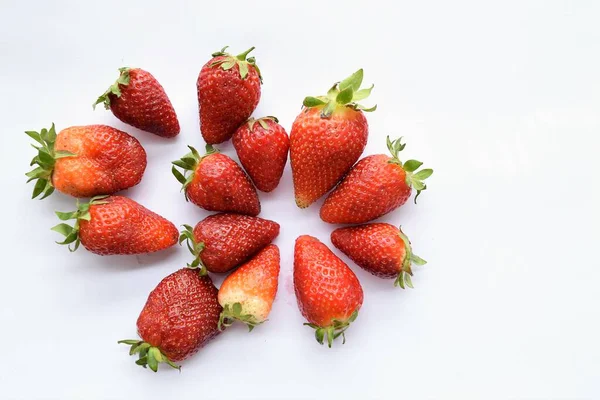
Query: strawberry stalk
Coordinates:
[148,356]
[71,233]
[261,121]
[196,248]
[114,88]
[45,161]
[234,312]
[333,331]
[188,163]
[404,277]
[228,61]
[346,93]
[414,178]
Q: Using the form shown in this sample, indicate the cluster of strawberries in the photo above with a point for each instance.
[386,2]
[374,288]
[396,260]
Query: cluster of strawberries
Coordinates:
[186,310]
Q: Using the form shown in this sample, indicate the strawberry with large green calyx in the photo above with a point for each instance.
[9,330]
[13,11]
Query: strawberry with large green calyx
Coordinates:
[414,178]
[333,331]
[230,314]
[45,161]
[195,247]
[404,277]
[71,233]
[226,61]
[345,93]
[148,356]
[189,163]
[114,89]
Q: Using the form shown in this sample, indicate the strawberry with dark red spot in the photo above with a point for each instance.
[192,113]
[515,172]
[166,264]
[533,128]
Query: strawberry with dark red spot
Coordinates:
[262,146]
[181,315]
[216,183]
[116,225]
[221,242]
[137,99]
[381,249]
[85,161]
[327,138]
[228,92]
[329,294]
[247,294]
[375,186]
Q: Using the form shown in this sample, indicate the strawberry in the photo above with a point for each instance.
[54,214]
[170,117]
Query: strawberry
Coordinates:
[381,249]
[329,294]
[221,242]
[228,93]
[137,99]
[327,138]
[247,294]
[216,182]
[375,186]
[180,316]
[262,146]
[116,225]
[85,161]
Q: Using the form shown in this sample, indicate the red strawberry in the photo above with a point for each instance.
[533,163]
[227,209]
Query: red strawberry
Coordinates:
[262,146]
[327,138]
[228,93]
[221,242]
[248,293]
[381,249]
[137,99]
[116,225]
[216,182]
[375,186]
[329,294]
[180,317]
[86,161]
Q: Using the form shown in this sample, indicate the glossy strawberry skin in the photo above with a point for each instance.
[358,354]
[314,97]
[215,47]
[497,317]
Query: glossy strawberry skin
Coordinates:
[326,288]
[122,226]
[377,248]
[373,188]
[262,152]
[220,184]
[145,105]
[254,284]
[225,99]
[231,239]
[322,150]
[181,314]
[107,160]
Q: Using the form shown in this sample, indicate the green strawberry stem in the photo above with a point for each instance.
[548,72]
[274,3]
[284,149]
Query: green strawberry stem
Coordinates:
[261,121]
[114,88]
[188,164]
[196,248]
[228,61]
[405,274]
[414,178]
[148,356]
[71,233]
[333,331]
[233,312]
[45,161]
[346,93]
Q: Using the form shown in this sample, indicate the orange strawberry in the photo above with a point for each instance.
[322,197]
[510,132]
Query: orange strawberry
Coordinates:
[329,294]
[216,183]
[248,293]
[228,92]
[262,147]
[137,99]
[85,161]
[327,138]
[375,186]
[381,249]
[221,242]
[116,225]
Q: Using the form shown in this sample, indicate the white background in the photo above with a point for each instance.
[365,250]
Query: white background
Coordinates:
[502,99]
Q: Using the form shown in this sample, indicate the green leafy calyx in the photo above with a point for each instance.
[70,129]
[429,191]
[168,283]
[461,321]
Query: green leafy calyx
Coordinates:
[261,121]
[148,356]
[228,61]
[195,247]
[414,178]
[188,164]
[333,331]
[404,276]
[45,161]
[71,233]
[114,88]
[233,312]
[346,93]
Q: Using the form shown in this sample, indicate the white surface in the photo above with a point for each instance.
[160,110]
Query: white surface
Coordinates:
[502,100]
